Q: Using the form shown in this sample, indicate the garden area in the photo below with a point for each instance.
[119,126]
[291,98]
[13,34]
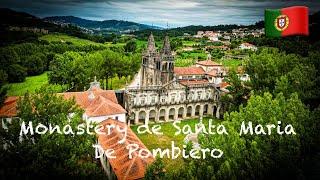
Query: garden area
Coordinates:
[152,141]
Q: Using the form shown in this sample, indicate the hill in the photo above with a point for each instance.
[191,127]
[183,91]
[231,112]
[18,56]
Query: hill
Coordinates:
[106,25]
[179,31]
[25,23]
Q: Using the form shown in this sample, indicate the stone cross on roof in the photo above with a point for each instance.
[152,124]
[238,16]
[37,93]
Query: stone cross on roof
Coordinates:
[95,83]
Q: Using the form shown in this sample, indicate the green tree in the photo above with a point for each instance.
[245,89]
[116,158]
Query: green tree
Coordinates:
[259,156]
[156,170]
[239,92]
[110,65]
[35,64]
[274,71]
[47,155]
[176,43]
[71,69]
[131,46]
[16,73]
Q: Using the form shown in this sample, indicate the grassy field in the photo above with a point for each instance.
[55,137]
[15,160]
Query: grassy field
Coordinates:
[30,85]
[152,141]
[36,82]
[179,62]
[231,63]
[66,38]
[109,44]
[190,43]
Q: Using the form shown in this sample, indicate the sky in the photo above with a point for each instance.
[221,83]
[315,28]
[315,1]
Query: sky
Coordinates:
[164,13]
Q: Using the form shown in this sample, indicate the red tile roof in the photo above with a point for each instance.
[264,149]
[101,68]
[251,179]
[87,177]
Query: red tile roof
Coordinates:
[122,165]
[104,103]
[101,106]
[224,84]
[9,108]
[213,72]
[189,71]
[208,63]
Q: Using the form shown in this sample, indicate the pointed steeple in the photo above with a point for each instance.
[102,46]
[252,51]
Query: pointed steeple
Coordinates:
[151,47]
[166,49]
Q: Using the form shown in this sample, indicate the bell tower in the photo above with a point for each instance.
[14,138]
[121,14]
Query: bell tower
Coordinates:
[167,62]
[150,67]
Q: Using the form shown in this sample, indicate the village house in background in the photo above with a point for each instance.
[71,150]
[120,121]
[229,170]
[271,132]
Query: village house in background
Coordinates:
[212,36]
[248,46]
[228,36]
[162,92]
[29,29]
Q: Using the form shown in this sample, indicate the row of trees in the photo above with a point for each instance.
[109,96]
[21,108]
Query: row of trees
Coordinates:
[78,69]
[28,59]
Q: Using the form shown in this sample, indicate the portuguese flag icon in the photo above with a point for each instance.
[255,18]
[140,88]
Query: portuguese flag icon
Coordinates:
[287,21]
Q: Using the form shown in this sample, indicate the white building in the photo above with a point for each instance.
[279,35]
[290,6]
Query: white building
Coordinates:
[248,46]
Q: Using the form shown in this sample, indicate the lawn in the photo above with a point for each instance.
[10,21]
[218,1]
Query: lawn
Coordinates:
[179,62]
[143,44]
[30,85]
[36,82]
[65,39]
[152,141]
[231,63]
[110,44]
[190,43]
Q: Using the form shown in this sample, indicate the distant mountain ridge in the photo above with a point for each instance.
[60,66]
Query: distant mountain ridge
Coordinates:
[109,25]
[22,19]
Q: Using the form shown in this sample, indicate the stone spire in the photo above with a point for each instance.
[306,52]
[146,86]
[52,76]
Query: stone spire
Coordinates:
[166,49]
[151,47]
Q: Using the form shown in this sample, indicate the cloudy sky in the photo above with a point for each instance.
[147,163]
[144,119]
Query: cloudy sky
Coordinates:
[159,12]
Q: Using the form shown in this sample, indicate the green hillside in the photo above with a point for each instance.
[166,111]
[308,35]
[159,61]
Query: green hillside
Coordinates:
[67,39]
[30,85]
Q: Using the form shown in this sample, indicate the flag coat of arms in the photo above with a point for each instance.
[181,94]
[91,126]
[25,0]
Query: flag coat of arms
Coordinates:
[287,21]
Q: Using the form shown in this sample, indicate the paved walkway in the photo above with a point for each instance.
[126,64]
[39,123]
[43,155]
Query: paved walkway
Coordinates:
[135,82]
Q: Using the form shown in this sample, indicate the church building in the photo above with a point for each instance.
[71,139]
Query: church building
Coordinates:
[164,92]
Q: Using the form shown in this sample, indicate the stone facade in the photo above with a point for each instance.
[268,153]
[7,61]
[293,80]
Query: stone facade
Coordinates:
[157,68]
[161,96]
